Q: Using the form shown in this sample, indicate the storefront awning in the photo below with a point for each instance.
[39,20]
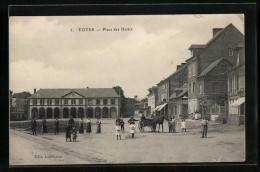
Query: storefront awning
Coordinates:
[162,106]
[238,102]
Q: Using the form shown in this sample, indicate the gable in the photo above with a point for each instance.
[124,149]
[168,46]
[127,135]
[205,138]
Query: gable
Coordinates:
[220,69]
[73,95]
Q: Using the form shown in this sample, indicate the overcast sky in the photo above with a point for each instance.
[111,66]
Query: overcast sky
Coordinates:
[45,53]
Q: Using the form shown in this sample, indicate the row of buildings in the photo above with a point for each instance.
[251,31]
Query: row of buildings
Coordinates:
[211,82]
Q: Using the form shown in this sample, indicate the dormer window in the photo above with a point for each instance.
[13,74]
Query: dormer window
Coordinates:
[230,52]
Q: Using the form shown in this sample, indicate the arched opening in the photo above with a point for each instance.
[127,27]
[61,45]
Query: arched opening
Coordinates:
[73,112]
[34,113]
[49,112]
[81,112]
[90,112]
[113,112]
[97,112]
[42,113]
[57,112]
[65,113]
[105,112]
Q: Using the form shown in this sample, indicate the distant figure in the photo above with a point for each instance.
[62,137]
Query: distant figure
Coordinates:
[132,120]
[98,126]
[33,126]
[174,125]
[88,130]
[68,132]
[183,125]
[81,128]
[170,124]
[74,132]
[118,132]
[132,129]
[122,125]
[71,122]
[57,126]
[204,124]
[44,126]
[118,120]
[143,118]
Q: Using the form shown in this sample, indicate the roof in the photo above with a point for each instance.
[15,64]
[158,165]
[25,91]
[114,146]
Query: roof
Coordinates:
[210,67]
[184,90]
[193,46]
[183,67]
[85,92]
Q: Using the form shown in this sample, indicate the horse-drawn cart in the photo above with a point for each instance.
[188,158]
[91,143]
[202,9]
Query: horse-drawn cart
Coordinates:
[147,123]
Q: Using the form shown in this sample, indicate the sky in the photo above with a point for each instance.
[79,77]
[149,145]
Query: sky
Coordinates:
[51,51]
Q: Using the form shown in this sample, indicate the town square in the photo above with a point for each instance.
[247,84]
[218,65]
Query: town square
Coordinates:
[162,89]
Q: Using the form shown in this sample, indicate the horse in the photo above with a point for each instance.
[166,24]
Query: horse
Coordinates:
[159,120]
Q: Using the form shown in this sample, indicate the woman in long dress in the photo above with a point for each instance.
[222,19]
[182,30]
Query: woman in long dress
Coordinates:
[81,128]
[88,130]
[44,126]
[98,126]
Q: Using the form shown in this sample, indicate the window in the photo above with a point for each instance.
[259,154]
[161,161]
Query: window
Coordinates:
[215,87]
[98,101]
[189,87]
[57,102]
[113,101]
[104,101]
[230,52]
[89,101]
[194,69]
[73,101]
[189,71]
[49,102]
[41,102]
[34,102]
[200,88]
[66,102]
[81,101]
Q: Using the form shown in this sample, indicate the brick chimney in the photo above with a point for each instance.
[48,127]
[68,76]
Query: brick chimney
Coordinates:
[216,30]
[34,90]
[178,67]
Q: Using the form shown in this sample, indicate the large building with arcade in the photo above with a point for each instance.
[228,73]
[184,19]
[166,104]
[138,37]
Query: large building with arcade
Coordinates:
[82,102]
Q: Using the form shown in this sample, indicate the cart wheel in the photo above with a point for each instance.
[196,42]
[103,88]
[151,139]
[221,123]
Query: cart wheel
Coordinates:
[140,126]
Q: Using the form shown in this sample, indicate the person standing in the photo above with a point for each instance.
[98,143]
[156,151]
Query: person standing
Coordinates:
[33,126]
[122,125]
[74,133]
[170,124]
[132,120]
[68,132]
[183,125]
[98,125]
[132,129]
[204,124]
[44,126]
[57,126]
[81,128]
[118,132]
[173,125]
[71,122]
[88,130]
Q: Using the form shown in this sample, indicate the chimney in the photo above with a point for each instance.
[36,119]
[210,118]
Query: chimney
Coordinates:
[34,90]
[216,30]
[183,64]
[178,67]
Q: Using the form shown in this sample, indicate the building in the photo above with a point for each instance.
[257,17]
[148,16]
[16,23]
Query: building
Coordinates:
[141,108]
[205,62]
[18,109]
[179,102]
[236,89]
[82,102]
[152,99]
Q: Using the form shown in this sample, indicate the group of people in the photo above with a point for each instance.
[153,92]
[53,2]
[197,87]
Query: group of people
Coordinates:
[120,127]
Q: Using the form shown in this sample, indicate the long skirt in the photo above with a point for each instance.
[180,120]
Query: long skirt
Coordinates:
[81,129]
[99,128]
[88,130]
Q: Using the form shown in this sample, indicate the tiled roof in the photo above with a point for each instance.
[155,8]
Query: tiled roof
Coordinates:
[184,90]
[86,92]
[183,67]
[210,67]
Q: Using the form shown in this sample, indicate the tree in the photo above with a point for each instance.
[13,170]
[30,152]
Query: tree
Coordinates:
[120,92]
[22,95]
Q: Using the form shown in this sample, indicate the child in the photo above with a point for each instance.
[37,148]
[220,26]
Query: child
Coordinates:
[183,125]
[118,133]
[68,130]
[98,125]
[132,129]
[74,132]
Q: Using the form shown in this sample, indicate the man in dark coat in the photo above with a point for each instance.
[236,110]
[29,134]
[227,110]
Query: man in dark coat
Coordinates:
[57,126]
[132,120]
[71,122]
[33,126]
[204,124]
[68,132]
[44,126]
